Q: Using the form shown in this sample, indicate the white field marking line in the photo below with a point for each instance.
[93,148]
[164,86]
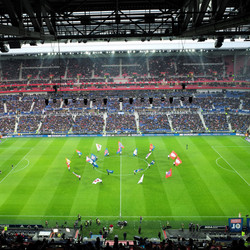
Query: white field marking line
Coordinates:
[244,140]
[221,166]
[121,186]
[231,166]
[14,168]
[100,171]
[23,167]
[106,216]
[232,146]
[3,142]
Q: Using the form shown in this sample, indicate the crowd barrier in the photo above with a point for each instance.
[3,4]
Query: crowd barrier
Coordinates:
[109,135]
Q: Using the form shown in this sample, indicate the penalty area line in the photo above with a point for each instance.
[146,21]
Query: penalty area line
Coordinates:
[14,168]
[112,216]
[231,166]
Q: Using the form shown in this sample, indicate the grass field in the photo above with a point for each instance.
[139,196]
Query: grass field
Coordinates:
[211,185]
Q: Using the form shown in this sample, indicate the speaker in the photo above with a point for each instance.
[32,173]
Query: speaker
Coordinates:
[190,99]
[162,99]
[142,99]
[55,88]
[105,100]
[131,100]
[74,100]
[150,100]
[182,98]
[171,99]
[66,101]
[46,102]
[183,85]
[85,101]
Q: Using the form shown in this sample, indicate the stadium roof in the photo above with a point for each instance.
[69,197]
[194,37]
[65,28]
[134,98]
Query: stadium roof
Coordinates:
[32,21]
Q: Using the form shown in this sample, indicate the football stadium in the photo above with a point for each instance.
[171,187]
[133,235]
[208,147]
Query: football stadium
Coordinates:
[125,124]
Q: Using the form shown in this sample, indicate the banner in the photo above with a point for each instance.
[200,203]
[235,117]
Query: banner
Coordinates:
[235,224]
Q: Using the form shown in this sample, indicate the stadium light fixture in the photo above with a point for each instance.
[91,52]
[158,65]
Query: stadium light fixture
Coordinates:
[3,48]
[218,42]
[55,88]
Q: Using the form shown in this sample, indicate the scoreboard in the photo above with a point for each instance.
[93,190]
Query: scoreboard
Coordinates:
[235,224]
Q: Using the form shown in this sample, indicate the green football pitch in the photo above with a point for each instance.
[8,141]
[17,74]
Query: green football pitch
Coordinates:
[211,185]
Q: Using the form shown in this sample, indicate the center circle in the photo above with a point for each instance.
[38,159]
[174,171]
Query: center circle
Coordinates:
[124,163]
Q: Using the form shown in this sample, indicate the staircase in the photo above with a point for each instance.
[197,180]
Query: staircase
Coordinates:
[241,104]
[170,122]
[16,125]
[229,124]
[202,120]
[137,121]
[105,122]
[32,106]
[5,108]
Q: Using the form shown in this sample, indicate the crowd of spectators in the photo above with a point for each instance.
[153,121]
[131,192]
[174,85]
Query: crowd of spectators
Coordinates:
[7,125]
[28,123]
[107,67]
[187,122]
[239,122]
[120,123]
[88,123]
[182,112]
[25,240]
[56,123]
[225,102]
[154,123]
[216,122]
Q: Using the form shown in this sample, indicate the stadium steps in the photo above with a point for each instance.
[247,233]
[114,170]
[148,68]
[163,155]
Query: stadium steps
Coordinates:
[105,122]
[137,121]
[66,71]
[229,124]
[202,120]
[241,104]
[16,124]
[61,105]
[32,106]
[5,107]
[170,122]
